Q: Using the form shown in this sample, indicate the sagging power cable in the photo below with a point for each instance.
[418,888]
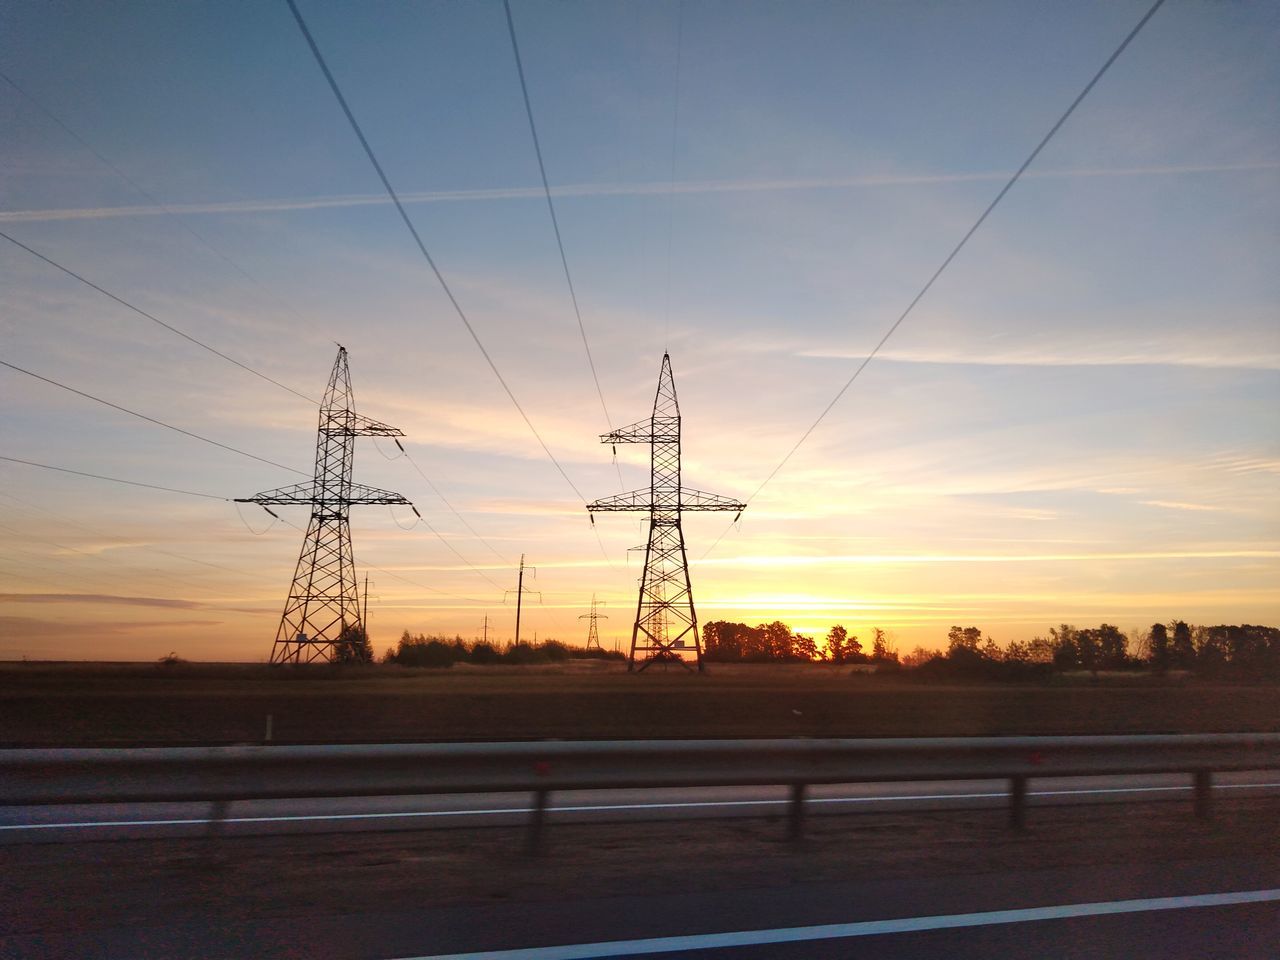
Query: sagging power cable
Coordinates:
[1044,141]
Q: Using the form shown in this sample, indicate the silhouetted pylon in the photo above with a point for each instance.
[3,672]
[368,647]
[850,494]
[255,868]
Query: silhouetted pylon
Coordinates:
[322,618]
[666,624]
[593,630]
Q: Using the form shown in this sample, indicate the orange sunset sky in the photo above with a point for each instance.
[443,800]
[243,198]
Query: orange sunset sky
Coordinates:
[1080,422]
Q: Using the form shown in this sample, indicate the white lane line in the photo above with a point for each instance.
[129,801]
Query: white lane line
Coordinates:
[863,928]
[607,807]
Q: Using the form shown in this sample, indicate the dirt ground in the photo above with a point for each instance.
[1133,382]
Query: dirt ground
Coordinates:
[99,884]
[82,704]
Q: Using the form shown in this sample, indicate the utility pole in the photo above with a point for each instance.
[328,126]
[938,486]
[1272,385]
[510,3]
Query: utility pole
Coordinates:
[664,613]
[486,629]
[364,618]
[324,600]
[593,630]
[520,591]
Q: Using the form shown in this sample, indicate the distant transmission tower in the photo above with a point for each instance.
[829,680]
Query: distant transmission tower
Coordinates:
[322,618]
[593,629]
[666,626]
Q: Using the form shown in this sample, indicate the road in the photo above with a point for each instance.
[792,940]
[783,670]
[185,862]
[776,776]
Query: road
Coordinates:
[1182,911]
[259,818]
[922,870]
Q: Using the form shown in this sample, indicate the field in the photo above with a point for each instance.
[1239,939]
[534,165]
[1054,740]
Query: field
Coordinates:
[72,704]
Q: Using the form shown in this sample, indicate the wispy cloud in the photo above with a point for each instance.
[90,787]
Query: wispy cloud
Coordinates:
[99,598]
[644,189]
[888,558]
[1179,505]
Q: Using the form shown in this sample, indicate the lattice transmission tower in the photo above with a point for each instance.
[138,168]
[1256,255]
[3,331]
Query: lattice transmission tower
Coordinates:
[666,626]
[322,618]
[593,629]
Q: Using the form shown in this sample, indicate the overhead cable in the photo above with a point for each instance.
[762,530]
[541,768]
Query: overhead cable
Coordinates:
[142,313]
[956,250]
[463,520]
[141,191]
[422,248]
[131,483]
[551,208]
[152,420]
[391,573]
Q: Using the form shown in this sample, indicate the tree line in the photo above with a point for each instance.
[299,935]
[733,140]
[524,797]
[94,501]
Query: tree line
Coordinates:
[423,651]
[1245,650]
[775,642]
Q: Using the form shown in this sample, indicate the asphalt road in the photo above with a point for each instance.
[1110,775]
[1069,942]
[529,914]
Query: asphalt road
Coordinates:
[1192,910]
[74,823]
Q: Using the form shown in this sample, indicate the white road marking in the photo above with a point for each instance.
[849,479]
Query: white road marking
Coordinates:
[606,807]
[862,928]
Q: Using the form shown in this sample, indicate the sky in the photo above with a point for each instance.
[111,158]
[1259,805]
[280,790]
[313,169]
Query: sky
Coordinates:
[1080,421]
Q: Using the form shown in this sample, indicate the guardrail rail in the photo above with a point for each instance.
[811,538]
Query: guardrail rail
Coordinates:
[222,774]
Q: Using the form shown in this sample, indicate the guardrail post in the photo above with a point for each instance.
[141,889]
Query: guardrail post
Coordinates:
[795,812]
[537,820]
[1018,802]
[1204,794]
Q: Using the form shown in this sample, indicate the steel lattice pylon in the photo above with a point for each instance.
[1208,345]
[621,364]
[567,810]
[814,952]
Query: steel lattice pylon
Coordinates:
[593,630]
[665,616]
[321,619]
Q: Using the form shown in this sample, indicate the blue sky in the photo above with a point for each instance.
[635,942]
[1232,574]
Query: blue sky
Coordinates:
[1078,422]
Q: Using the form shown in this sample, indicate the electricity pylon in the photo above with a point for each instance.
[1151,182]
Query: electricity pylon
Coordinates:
[593,629]
[665,617]
[322,617]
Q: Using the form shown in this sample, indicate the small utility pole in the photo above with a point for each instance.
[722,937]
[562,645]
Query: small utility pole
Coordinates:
[486,629]
[519,591]
[365,616]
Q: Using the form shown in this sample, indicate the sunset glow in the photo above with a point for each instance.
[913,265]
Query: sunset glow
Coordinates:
[1079,423]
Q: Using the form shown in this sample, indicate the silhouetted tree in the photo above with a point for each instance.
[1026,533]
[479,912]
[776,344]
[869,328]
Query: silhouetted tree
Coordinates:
[882,648]
[1182,652]
[352,646]
[1158,640]
[966,638]
[805,648]
[1066,654]
[837,643]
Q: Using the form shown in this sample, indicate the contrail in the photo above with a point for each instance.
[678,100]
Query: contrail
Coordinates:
[282,205]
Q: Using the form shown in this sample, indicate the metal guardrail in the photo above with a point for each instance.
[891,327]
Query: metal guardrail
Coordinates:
[224,774]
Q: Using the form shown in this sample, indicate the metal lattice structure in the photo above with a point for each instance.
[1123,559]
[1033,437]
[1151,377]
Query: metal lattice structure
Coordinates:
[322,617]
[593,629]
[666,627]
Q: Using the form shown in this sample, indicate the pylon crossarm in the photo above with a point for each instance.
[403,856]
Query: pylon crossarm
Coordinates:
[639,432]
[357,494]
[635,501]
[365,427]
[700,500]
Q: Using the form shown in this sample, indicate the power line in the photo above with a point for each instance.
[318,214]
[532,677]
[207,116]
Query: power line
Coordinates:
[675,130]
[99,533]
[434,489]
[131,483]
[391,573]
[955,251]
[153,420]
[142,313]
[141,191]
[404,215]
[205,346]
[555,223]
